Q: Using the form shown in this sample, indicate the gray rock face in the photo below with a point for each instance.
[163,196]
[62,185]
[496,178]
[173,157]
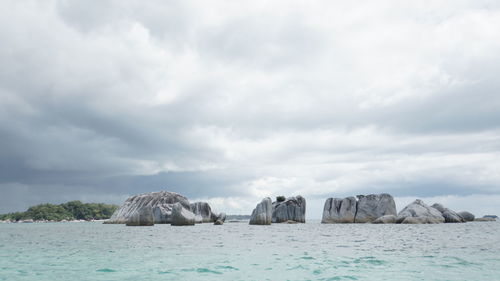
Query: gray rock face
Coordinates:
[221,217]
[141,217]
[450,216]
[202,210]
[292,209]
[421,212]
[182,216]
[160,202]
[373,206]
[338,210]
[467,216]
[386,219]
[263,212]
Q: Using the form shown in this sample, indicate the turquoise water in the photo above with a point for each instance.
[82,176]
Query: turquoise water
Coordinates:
[238,251]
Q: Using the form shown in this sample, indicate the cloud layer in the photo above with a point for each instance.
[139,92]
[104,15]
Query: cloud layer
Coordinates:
[230,102]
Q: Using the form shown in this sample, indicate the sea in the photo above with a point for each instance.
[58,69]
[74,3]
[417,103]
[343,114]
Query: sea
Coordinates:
[238,251]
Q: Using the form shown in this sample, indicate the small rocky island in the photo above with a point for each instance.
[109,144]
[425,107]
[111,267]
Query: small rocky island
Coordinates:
[283,210]
[163,207]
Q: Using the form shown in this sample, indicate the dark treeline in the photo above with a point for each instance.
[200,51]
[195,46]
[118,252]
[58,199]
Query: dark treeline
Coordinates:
[73,210]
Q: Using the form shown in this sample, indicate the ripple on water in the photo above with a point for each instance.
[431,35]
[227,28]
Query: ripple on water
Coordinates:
[201,270]
[106,270]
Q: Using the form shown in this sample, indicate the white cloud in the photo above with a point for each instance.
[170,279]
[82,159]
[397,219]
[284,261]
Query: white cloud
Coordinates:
[265,98]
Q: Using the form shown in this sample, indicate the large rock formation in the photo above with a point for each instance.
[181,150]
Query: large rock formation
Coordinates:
[203,212]
[141,217]
[450,216]
[419,212]
[338,210]
[160,202]
[181,215]
[372,206]
[262,214]
[292,209]
[467,216]
[366,209]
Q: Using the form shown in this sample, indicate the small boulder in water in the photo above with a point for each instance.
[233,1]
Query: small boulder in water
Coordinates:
[484,219]
[467,216]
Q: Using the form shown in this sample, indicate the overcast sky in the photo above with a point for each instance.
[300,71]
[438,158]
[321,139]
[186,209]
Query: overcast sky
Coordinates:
[231,101]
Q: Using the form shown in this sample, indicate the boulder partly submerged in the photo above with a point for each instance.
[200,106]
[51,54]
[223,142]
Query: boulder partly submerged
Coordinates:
[141,217]
[450,216]
[181,215]
[365,209]
[203,212]
[418,213]
[160,202]
[291,209]
[262,214]
[337,210]
[373,206]
[467,216]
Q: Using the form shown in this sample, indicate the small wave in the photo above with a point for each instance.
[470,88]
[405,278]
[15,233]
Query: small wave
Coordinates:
[105,270]
[227,267]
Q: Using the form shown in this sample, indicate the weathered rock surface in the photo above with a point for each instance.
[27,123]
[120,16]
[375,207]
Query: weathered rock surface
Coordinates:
[450,216]
[181,215]
[141,217]
[262,214]
[372,206]
[337,210]
[386,219]
[292,209]
[160,202]
[467,216]
[419,212]
[202,210]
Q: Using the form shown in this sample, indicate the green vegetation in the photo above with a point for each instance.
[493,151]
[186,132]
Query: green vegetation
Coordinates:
[67,211]
[280,198]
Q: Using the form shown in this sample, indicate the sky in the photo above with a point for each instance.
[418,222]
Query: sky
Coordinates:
[232,101]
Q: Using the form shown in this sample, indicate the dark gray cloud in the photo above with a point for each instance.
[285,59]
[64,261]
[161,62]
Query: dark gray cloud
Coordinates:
[231,102]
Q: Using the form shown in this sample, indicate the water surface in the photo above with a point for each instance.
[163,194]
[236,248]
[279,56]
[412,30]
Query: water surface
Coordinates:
[238,251]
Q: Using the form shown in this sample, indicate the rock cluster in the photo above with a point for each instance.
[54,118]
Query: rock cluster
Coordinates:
[419,212]
[450,216]
[161,206]
[367,208]
[291,209]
